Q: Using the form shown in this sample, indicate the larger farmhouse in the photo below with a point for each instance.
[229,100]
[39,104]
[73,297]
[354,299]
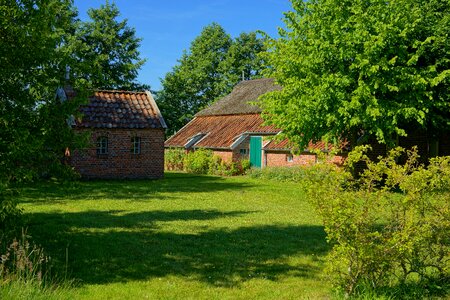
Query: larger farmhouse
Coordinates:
[233,128]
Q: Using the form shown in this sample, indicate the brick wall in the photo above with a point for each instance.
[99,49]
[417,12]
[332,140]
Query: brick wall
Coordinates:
[280,159]
[120,162]
[224,154]
[234,155]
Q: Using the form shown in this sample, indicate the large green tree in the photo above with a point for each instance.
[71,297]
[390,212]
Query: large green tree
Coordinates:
[107,50]
[243,59]
[361,66]
[33,60]
[209,70]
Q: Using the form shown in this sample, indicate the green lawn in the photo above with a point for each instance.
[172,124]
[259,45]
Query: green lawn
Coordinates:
[183,237]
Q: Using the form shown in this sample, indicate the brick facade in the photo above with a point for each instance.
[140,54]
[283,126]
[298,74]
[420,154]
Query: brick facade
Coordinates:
[285,159]
[120,162]
[235,154]
[225,155]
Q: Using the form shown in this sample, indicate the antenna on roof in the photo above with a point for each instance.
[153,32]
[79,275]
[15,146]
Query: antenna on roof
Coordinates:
[243,75]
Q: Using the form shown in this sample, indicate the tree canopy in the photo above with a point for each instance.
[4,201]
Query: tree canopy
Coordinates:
[209,70]
[350,67]
[39,40]
[107,50]
[33,62]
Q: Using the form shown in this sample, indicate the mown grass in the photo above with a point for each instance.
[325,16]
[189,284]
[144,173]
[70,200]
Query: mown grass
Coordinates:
[182,237]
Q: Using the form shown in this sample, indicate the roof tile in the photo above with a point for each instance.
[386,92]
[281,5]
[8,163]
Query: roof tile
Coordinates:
[120,109]
[221,131]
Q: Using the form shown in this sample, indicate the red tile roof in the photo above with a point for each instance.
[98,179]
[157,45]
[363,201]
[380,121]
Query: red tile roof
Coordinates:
[220,131]
[121,109]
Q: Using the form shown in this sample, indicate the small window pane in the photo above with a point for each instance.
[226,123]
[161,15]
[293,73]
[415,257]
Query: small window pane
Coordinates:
[136,145]
[243,151]
[102,145]
[289,158]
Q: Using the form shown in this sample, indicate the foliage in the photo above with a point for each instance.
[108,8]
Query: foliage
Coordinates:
[243,59]
[220,167]
[106,50]
[10,214]
[389,227]
[198,161]
[174,159]
[293,174]
[34,134]
[346,67]
[208,71]
[202,161]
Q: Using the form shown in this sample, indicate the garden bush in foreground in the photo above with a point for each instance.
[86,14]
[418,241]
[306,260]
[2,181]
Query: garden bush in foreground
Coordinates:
[389,226]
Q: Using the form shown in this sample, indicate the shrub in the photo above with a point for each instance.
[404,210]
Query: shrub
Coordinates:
[295,173]
[223,168]
[245,165]
[198,161]
[389,227]
[203,161]
[174,159]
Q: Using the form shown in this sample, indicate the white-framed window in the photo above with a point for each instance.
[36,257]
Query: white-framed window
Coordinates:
[243,151]
[136,145]
[102,145]
[289,158]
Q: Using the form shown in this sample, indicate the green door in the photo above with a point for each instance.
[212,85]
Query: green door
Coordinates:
[255,151]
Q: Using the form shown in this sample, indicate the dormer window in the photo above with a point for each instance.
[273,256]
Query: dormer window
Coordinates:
[102,145]
[194,140]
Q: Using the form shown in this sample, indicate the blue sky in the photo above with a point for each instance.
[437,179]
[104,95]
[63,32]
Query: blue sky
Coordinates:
[168,27]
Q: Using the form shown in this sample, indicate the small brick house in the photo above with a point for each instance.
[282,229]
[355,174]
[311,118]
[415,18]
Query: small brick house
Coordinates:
[127,137]
[233,129]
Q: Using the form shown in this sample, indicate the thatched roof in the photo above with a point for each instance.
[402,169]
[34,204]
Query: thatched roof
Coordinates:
[237,102]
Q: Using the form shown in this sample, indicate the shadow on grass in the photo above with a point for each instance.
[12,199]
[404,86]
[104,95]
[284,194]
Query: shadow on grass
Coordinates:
[109,247]
[135,190]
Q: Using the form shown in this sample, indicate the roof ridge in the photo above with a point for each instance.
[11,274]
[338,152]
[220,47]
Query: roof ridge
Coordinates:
[235,114]
[120,91]
[242,99]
